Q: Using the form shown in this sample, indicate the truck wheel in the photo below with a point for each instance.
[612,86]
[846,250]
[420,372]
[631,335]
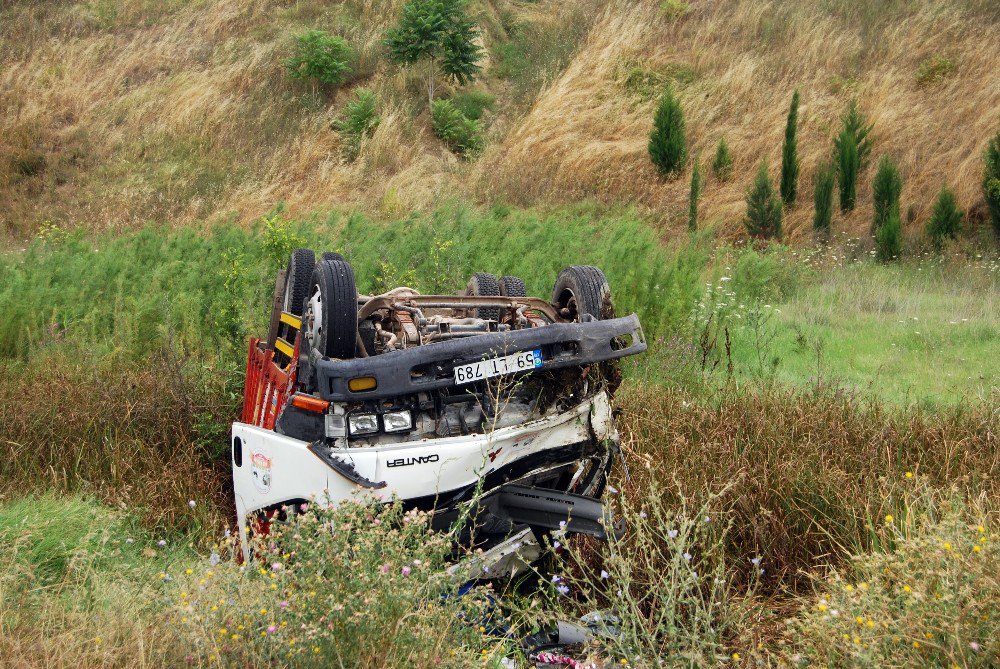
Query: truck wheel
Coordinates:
[297,278]
[330,322]
[583,289]
[483,284]
[512,286]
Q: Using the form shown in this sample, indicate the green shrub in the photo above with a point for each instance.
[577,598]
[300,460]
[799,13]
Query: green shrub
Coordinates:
[934,69]
[889,238]
[322,57]
[763,219]
[359,121]
[722,164]
[789,155]
[439,32]
[667,146]
[462,135]
[991,181]
[886,189]
[694,194]
[946,218]
[823,183]
[473,103]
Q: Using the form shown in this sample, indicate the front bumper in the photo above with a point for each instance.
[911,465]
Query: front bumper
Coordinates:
[431,366]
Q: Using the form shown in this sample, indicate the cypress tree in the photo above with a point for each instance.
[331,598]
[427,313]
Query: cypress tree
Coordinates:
[823,199]
[763,219]
[848,166]
[991,181]
[722,164]
[946,218]
[667,147]
[851,149]
[886,189]
[789,155]
[889,238]
[695,194]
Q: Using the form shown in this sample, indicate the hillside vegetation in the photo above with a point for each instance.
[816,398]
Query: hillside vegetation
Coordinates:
[116,114]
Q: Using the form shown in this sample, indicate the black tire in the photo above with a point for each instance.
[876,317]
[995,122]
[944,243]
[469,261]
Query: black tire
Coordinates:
[583,289]
[483,284]
[336,335]
[331,255]
[512,286]
[298,274]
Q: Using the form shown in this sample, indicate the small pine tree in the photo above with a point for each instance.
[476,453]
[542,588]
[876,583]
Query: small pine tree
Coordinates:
[851,149]
[789,155]
[823,199]
[886,189]
[667,146]
[889,238]
[946,218]
[695,194]
[722,164]
[763,219]
[991,181]
[358,123]
[861,130]
[848,166]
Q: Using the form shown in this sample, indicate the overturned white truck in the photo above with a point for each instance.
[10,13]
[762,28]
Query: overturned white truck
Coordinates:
[487,406]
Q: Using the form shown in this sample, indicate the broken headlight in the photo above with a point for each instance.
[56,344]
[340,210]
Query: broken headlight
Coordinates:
[363,423]
[397,421]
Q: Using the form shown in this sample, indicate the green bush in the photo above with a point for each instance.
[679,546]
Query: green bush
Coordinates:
[473,103]
[462,135]
[889,239]
[322,57]
[763,219]
[789,155]
[695,193]
[722,164]
[946,218]
[934,69]
[886,189]
[359,121]
[823,198]
[991,181]
[667,145]
[860,129]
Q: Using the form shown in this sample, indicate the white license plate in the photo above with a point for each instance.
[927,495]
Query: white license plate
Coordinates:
[508,364]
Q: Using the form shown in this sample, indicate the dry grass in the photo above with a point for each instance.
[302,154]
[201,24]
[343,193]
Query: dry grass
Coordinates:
[178,111]
[142,436]
[807,475]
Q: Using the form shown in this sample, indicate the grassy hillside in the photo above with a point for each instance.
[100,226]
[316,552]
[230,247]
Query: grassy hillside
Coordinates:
[116,114]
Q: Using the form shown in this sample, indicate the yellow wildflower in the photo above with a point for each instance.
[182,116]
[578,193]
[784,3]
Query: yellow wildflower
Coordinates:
[909,475]
[888,518]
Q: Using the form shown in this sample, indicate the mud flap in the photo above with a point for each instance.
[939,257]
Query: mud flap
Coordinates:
[545,510]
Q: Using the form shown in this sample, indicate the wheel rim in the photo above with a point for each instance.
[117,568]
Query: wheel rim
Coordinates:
[312,321]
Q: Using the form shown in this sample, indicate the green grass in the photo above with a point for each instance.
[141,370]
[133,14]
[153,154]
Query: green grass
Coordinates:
[921,331]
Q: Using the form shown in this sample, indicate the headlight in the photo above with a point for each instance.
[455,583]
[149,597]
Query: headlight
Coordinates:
[364,423]
[397,421]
